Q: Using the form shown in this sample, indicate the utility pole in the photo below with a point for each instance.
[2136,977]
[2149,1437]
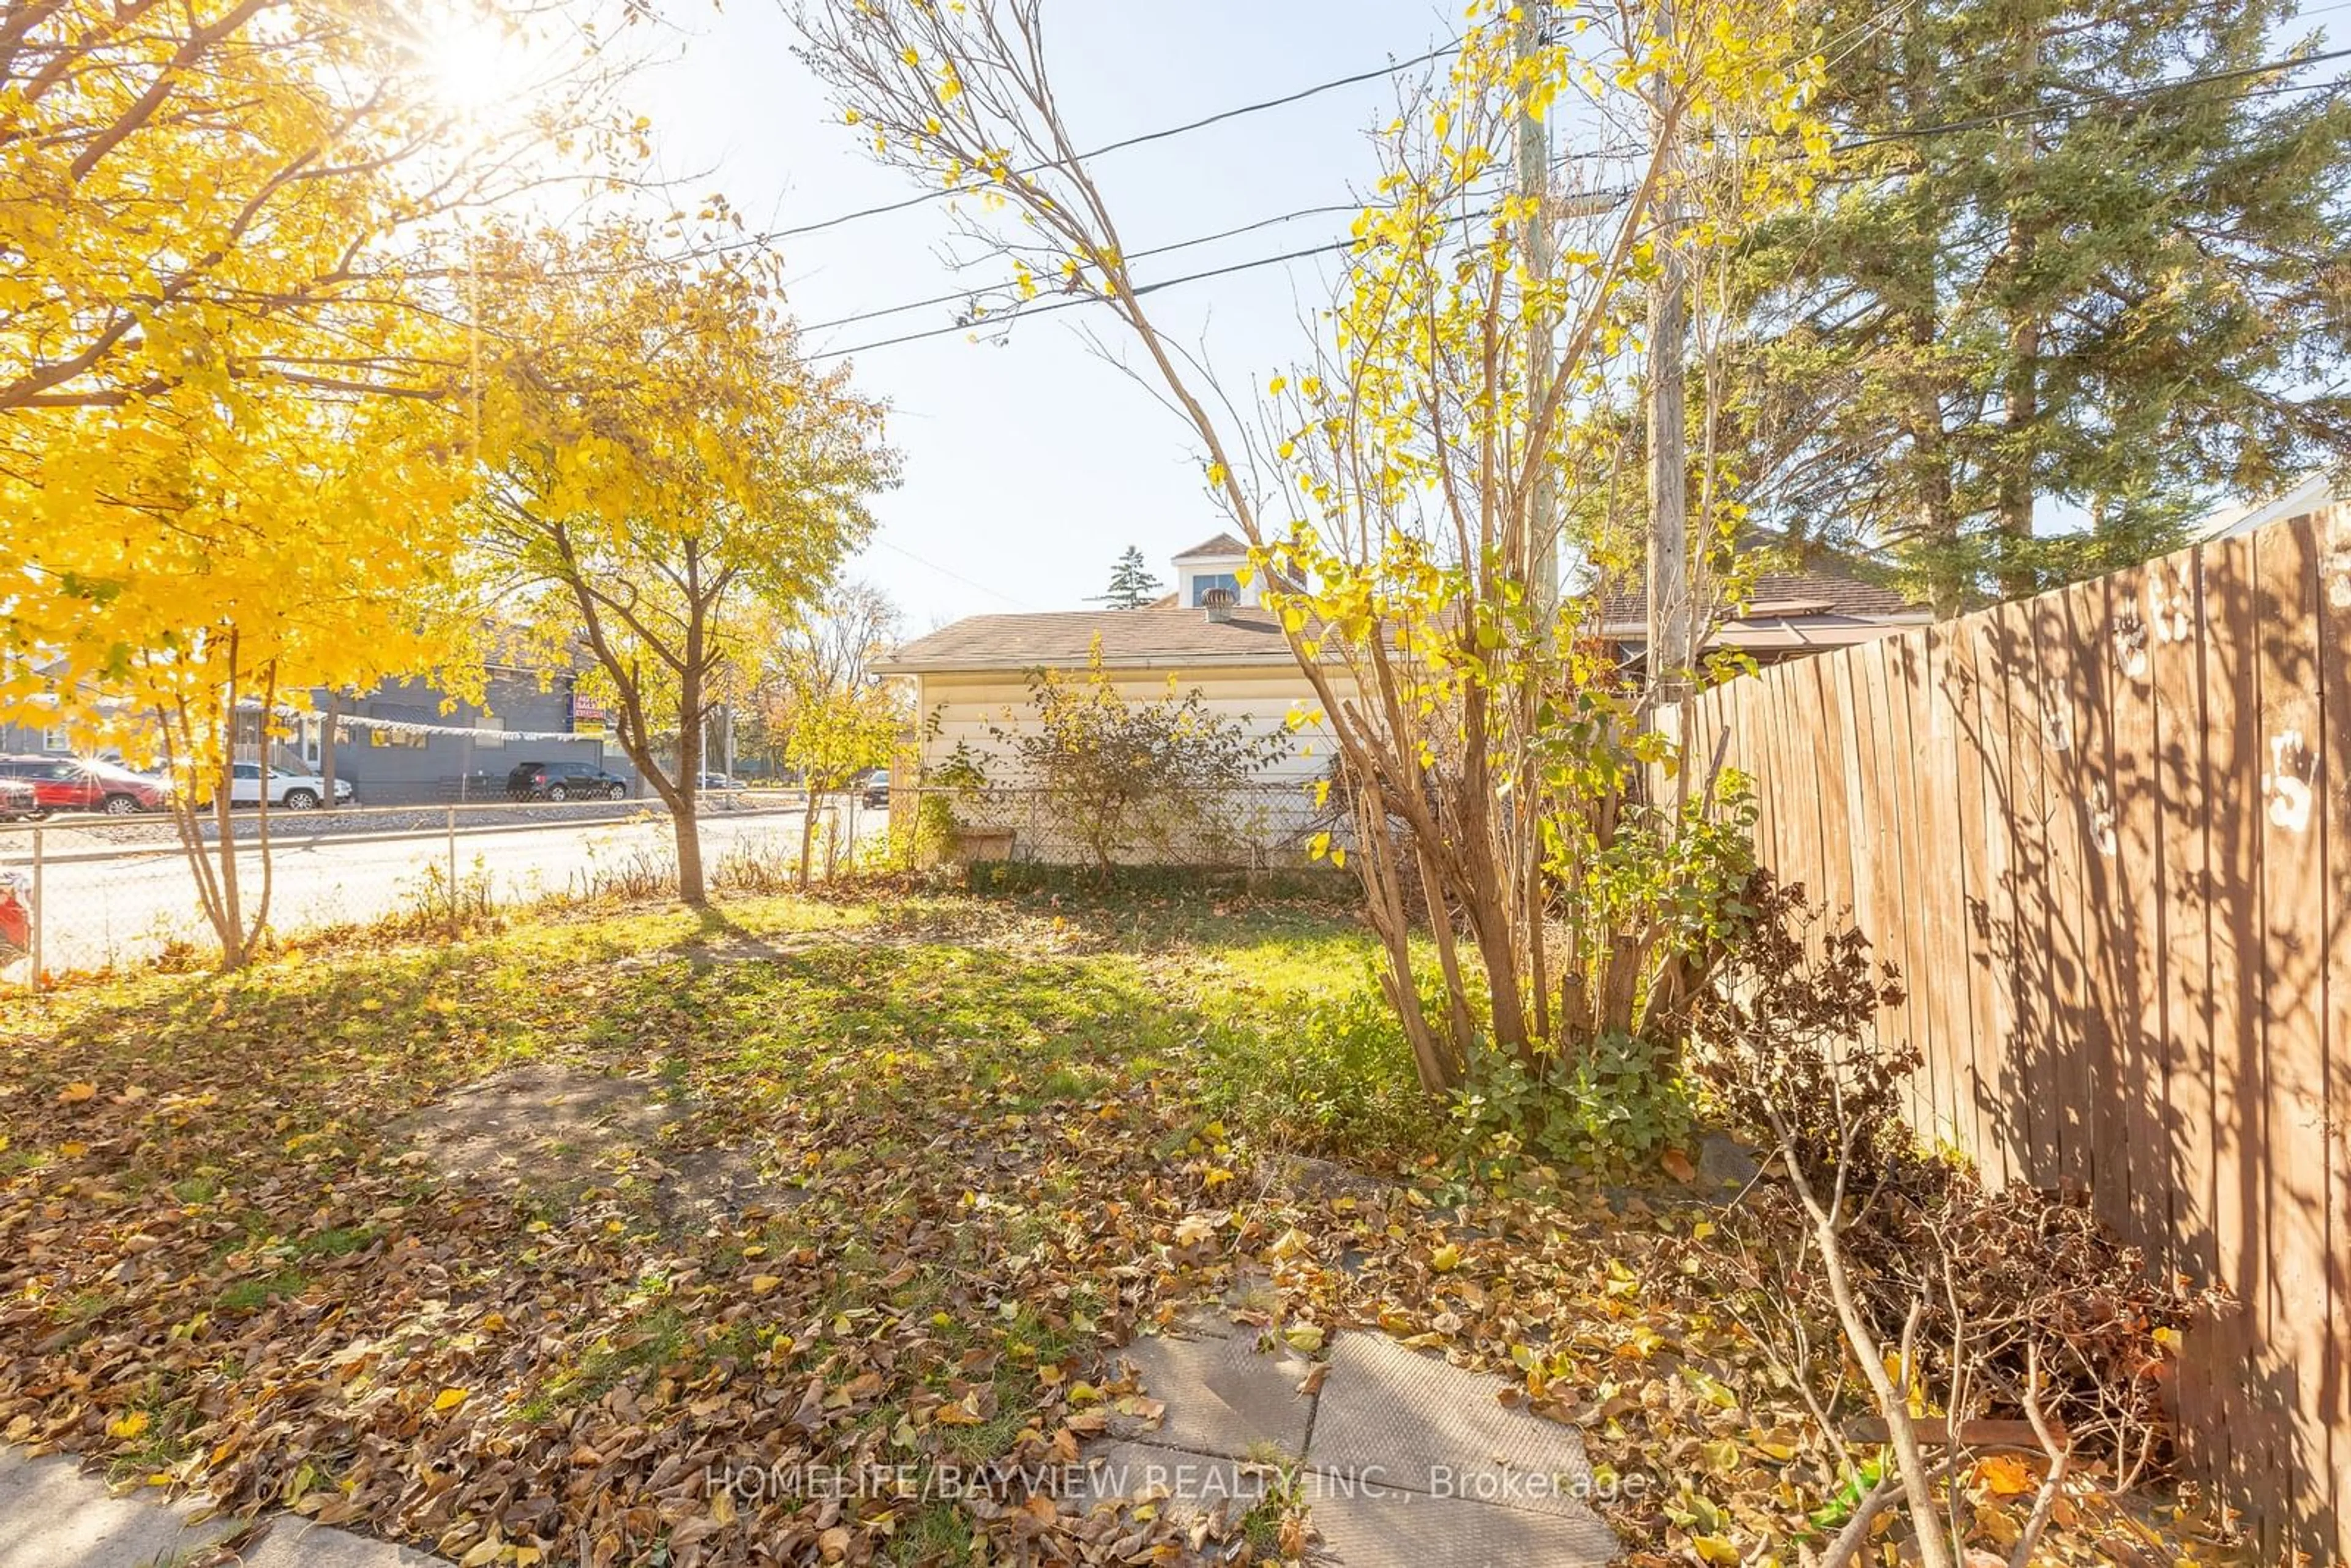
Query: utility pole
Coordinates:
[1534,183]
[1671,617]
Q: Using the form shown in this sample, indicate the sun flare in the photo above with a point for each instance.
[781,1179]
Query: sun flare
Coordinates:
[474,61]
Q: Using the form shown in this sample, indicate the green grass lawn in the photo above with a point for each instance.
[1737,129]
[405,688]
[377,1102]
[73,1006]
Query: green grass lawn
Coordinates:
[985,1142]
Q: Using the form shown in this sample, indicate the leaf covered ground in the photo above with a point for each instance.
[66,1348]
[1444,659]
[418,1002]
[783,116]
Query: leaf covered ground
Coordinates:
[983,1144]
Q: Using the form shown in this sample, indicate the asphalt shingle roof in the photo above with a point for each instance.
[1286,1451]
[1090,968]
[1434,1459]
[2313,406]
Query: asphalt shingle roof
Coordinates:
[1166,634]
[1152,636]
[1220,544]
[1778,595]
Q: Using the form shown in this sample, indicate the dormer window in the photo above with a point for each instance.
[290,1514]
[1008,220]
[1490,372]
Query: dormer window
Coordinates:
[1212,564]
[1202,582]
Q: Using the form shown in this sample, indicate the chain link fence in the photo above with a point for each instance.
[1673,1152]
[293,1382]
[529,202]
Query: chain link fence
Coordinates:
[81,895]
[88,894]
[1273,825]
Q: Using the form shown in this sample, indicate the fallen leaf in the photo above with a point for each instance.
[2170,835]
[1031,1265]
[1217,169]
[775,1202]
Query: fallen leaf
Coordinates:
[2006,1475]
[1292,1538]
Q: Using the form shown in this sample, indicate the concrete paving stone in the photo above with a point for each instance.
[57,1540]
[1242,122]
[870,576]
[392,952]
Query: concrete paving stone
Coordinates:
[1250,1293]
[1223,1395]
[1723,1161]
[1185,1484]
[1395,1419]
[53,1515]
[1406,1529]
[295,1543]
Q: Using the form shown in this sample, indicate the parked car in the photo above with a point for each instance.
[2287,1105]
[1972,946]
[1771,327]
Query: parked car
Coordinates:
[565,781]
[293,791]
[718,781]
[17,801]
[874,789]
[78,784]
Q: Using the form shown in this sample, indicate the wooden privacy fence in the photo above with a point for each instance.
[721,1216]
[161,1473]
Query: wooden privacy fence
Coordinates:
[2106,834]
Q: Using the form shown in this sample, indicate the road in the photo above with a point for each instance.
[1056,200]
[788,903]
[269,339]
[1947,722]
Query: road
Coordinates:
[131,904]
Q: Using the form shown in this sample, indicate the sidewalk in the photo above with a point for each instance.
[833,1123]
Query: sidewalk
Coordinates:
[53,1516]
[84,838]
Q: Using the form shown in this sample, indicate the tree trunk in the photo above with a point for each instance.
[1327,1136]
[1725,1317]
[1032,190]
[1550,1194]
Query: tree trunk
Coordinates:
[1937,524]
[808,828]
[2022,397]
[2020,387]
[690,888]
[1930,463]
[228,922]
[690,884]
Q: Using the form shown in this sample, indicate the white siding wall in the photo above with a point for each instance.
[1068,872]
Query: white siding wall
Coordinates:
[967,706]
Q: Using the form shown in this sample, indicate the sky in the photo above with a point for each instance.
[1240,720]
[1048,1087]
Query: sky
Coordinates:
[1029,463]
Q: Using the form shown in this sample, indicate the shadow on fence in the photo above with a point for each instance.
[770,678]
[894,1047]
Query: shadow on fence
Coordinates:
[2107,835]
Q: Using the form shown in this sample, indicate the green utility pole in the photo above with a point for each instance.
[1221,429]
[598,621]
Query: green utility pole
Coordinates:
[1534,181]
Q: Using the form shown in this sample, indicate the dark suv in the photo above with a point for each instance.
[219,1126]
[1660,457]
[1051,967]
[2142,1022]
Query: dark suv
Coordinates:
[565,781]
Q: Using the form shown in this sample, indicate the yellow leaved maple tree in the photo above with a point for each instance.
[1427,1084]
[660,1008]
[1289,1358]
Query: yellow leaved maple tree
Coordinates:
[663,475]
[231,447]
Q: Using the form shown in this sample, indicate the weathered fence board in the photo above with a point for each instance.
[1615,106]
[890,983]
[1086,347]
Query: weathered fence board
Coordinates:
[2107,835]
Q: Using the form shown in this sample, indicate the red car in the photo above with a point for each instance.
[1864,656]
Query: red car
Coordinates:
[73,784]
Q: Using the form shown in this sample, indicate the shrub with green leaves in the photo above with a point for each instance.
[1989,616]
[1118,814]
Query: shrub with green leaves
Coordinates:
[1620,1102]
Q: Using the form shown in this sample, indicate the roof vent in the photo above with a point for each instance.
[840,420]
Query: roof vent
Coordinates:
[1218,603]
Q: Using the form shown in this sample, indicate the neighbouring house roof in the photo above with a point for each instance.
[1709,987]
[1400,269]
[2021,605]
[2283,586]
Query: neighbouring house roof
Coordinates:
[1208,549]
[2237,517]
[1788,610]
[1154,637]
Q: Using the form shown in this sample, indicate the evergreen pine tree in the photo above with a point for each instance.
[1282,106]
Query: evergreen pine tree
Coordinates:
[1132,584]
[2078,291]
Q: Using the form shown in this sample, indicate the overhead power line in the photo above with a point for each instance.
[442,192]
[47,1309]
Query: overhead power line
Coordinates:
[1185,129]
[2102,99]
[2081,103]
[960,295]
[1074,301]
[968,582]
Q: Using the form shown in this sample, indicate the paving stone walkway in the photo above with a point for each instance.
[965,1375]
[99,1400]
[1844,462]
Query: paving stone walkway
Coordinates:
[53,1515]
[1404,1460]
